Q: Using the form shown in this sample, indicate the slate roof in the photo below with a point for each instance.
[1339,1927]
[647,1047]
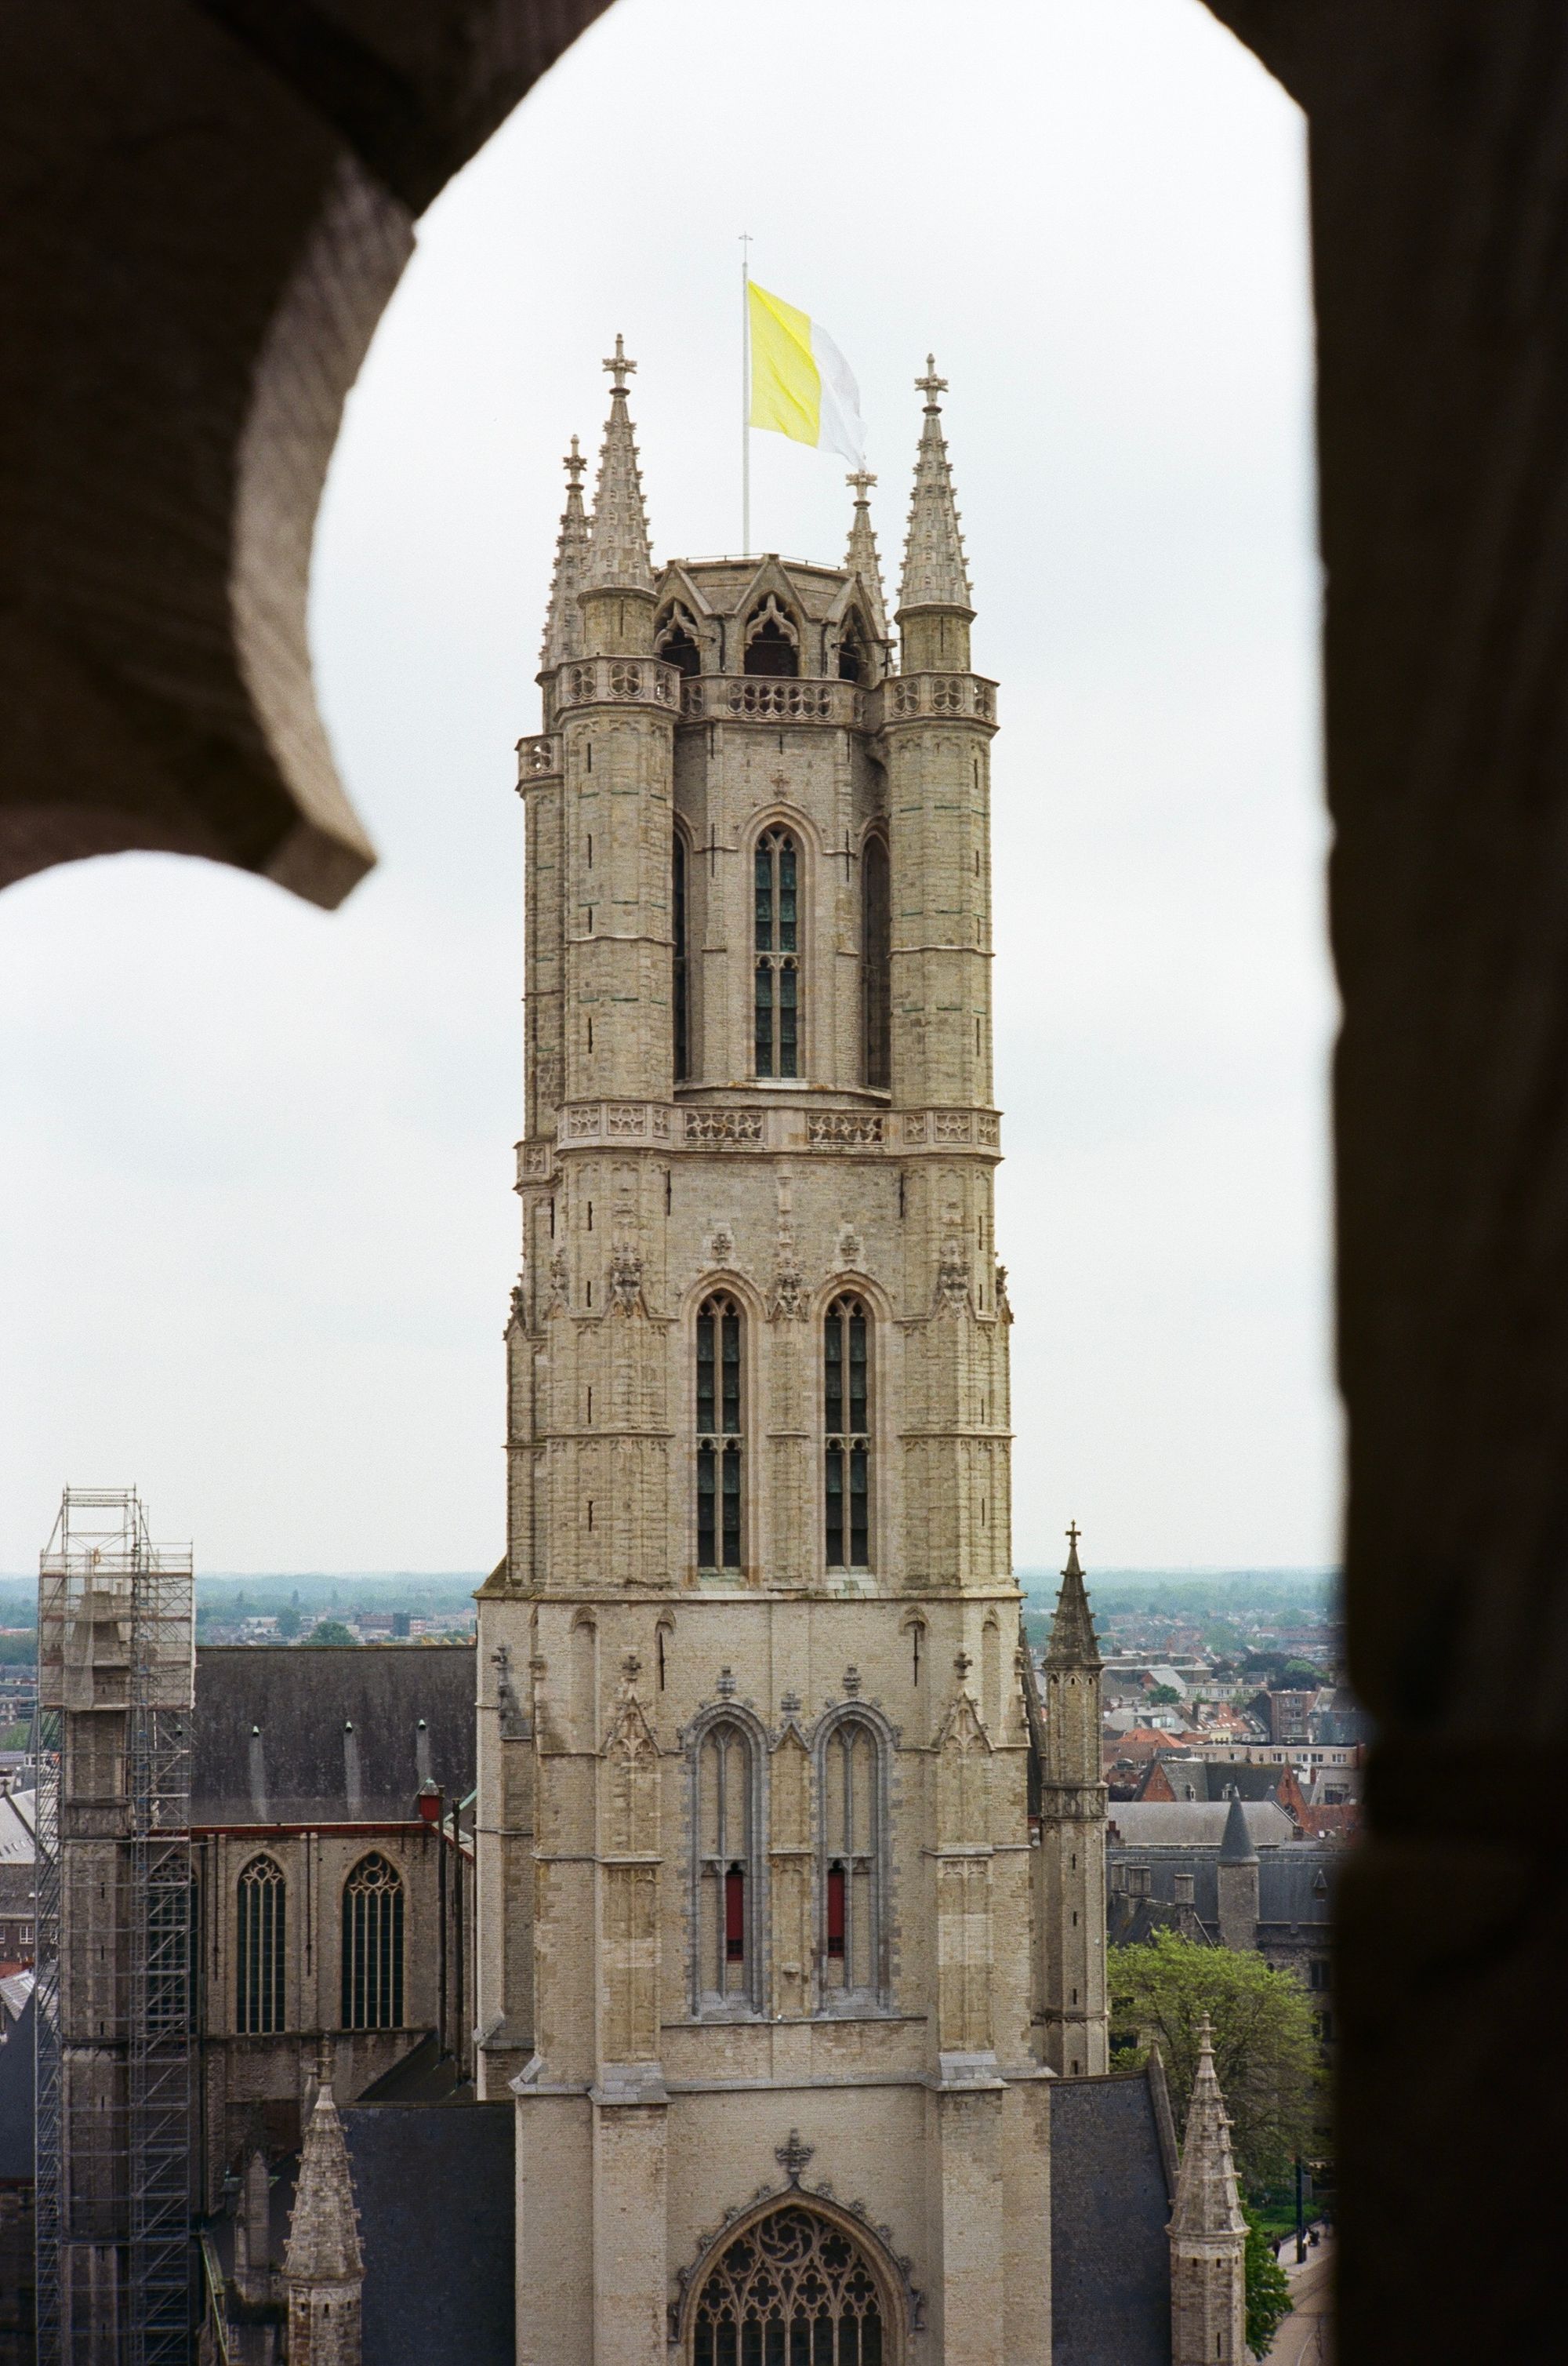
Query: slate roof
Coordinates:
[433,2182]
[1295,1887]
[1208,1779]
[1195,1823]
[1110,2205]
[329,1734]
[18,1811]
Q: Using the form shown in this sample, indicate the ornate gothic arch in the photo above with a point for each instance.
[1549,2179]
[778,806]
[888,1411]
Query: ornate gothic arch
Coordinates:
[795,2257]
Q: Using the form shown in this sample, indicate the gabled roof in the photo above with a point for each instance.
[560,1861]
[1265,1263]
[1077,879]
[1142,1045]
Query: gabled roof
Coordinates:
[1110,2202]
[1183,1823]
[330,1734]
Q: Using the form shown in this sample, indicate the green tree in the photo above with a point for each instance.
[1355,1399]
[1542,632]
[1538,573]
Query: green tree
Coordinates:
[289,1623]
[1269,2301]
[1264,2041]
[329,1630]
[1162,1696]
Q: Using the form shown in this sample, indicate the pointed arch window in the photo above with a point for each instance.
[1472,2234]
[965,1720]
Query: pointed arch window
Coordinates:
[792,2289]
[853,1874]
[720,1390]
[772,643]
[676,644]
[847,1419]
[778,999]
[259,1949]
[727,1916]
[876,963]
[373,1947]
[852,665]
[678,1002]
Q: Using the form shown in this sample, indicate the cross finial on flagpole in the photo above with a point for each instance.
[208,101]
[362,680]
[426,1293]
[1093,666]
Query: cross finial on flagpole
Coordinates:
[619,363]
[931,385]
[1073,1533]
[574,462]
[862,480]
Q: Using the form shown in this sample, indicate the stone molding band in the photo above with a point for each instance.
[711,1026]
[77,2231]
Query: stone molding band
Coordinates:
[769,1130]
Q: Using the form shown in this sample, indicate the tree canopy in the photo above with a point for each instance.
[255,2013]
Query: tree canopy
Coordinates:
[1265,2042]
[1269,2301]
[331,1630]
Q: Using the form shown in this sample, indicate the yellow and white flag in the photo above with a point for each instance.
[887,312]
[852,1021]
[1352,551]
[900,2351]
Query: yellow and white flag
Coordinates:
[800,383]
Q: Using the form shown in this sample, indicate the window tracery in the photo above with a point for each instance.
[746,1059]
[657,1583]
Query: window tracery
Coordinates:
[847,1423]
[772,642]
[720,1433]
[792,2289]
[677,642]
[853,1875]
[373,1947]
[728,1906]
[261,1900]
[778,998]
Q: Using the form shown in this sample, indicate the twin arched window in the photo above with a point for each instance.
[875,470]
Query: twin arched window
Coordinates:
[728,1884]
[778,940]
[259,1953]
[373,1947]
[720,1387]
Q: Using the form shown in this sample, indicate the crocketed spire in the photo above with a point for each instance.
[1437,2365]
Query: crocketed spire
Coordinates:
[1206,2200]
[323,2233]
[861,559]
[934,575]
[1072,1644]
[619,556]
[563,621]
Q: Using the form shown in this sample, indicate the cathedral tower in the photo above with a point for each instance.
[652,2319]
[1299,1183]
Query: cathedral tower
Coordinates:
[764,1923]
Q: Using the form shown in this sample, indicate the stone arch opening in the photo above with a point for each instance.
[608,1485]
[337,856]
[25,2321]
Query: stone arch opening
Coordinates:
[794,2285]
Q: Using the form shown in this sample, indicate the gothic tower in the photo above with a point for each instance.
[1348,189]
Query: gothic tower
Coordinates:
[762,1919]
[1072,1837]
[1208,2233]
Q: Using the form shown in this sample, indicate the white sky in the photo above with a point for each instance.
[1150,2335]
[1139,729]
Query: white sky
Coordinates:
[256,1160]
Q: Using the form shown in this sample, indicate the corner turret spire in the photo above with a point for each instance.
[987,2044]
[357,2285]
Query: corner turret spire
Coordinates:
[861,559]
[1207,2201]
[323,2233]
[1207,2233]
[564,622]
[619,558]
[935,574]
[1073,1643]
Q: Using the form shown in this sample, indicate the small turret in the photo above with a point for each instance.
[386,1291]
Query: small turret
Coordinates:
[1208,2233]
[563,621]
[935,608]
[323,2269]
[1072,1836]
[618,580]
[1237,1877]
[861,559]
[1073,1643]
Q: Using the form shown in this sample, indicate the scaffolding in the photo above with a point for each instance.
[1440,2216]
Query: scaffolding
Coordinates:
[116,1694]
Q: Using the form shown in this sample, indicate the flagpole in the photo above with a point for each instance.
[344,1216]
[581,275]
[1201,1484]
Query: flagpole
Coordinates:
[745,394]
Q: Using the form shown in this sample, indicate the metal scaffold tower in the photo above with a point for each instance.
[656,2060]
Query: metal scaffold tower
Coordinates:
[115,1692]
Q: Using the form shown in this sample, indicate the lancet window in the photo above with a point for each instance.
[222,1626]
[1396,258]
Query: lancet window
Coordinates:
[727,1919]
[846,1421]
[373,1947]
[772,644]
[259,1949]
[676,644]
[853,1873]
[792,2289]
[678,1002]
[876,963]
[852,652]
[778,1002]
[721,1390]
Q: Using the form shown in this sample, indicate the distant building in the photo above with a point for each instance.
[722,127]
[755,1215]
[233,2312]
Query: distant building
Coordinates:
[17,1810]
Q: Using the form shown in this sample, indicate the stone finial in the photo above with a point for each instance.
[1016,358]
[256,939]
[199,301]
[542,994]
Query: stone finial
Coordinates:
[1073,1643]
[563,618]
[935,573]
[1208,2233]
[793,2156]
[862,558]
[726,1685]
[323,2230]
[851,1682]
[619,558]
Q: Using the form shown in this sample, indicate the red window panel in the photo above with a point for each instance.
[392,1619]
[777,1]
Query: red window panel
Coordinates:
[835,1909]
[735,1915]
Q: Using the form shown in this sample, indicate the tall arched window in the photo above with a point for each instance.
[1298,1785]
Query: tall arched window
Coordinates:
[373,1947]
[852,1868]
[258,1950]
[876,963]
[792,2289]
[728,1911]
[847,1424]
[777,933]
[719,1436]
[772,644]
[678,1007]
[676,643]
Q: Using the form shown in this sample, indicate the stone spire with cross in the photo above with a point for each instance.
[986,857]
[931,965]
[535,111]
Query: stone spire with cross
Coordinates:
[935,574]
[1208,2233]
[862,559]
[620,558]
[1073,1643]
[563,621]
[323,2269]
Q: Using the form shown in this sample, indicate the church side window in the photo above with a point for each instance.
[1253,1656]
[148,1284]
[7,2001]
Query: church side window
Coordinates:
[846,1416]
[792,2286]
[778,999]
[851,1900]
[727,1904]
[373,1947]
[679,1005]
[876,963]
[719,1390]
[259,2003]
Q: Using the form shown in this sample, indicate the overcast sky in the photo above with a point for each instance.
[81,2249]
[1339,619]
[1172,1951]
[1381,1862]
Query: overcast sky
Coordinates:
[259,1230]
